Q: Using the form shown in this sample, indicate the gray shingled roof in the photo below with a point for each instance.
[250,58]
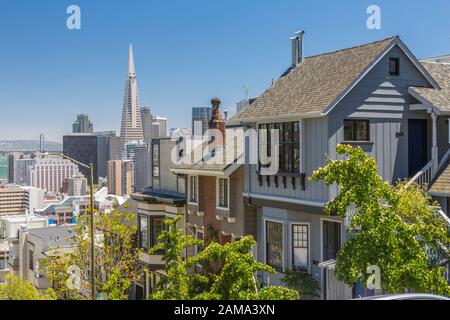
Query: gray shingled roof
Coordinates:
[314,84]
[440,98]
[58,236]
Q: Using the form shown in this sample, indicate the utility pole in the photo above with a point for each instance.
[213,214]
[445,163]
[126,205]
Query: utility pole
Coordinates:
[91,173]
[92,231]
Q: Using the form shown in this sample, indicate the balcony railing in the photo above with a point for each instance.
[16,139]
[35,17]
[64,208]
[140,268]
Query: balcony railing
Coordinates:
[423,177]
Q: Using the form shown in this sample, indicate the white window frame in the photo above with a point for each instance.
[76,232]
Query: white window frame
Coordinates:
[291,245]
[218,193]
[283,253]
[321,234]
[189,189]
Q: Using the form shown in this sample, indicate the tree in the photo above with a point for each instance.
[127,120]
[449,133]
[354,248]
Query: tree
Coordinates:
[302,282]
[15,288]
[176,284]
[231,277]
[392,226]
[116,257]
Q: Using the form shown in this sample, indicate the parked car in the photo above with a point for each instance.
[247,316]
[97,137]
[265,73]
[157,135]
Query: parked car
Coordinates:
[406,296]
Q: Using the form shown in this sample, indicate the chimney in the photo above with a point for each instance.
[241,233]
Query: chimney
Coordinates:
[299,35]
[297,48]
[225,115]
[217,122]
[294,46]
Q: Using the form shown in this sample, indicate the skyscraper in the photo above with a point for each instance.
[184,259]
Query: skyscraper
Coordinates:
[82,147]
[120,177]
[147,124]
[131,126]
[159,127]
[107,149]
[51,173]
[82,124]
[203,115]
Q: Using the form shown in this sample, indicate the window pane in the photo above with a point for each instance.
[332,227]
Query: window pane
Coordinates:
[288,157]
[394,66]
[295,131]
[274,244]
[296,157]
[287,132]
[157,226]
[223,193]
[193,182]
[362,130]
[300,247]
[143,232]
[349,130]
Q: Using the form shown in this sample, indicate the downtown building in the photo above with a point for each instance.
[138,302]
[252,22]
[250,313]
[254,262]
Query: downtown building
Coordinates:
[131,125]
[83,148]
[16,200]
[50,174]
[82,124]
[120,177]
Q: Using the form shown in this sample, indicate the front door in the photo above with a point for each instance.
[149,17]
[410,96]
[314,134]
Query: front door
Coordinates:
[417,145]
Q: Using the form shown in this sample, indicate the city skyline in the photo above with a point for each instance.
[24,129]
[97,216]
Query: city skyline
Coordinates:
[69,72]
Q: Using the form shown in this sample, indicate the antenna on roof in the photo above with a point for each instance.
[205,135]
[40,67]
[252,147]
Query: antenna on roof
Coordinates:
[246,94]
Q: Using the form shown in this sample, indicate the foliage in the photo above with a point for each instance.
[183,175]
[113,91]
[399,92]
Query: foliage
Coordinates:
[15,288]
[302,282]
[228,270]
[116,257]
[392,226]
[175,286]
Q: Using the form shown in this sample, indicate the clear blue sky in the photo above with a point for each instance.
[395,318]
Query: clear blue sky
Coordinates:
[186,52]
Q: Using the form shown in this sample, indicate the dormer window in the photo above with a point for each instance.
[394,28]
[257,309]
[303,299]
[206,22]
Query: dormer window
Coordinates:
[394,66]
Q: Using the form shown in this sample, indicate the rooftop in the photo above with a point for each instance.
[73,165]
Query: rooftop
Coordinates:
[315,83]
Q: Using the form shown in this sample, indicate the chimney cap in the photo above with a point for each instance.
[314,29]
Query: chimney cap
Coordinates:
[215,101]
[301,32]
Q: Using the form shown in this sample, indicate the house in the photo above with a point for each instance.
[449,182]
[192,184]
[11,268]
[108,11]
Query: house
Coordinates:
[164,199]
[377,96]
[9,237]
[215,203]
[35,245]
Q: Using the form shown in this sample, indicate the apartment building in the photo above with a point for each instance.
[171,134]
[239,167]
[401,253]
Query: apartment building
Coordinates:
[164,199]
[18,200]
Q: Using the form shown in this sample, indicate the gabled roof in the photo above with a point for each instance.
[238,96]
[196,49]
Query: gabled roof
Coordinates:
[439,98]
[318,83]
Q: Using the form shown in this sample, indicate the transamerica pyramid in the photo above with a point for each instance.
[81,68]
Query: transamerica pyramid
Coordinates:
[131,126]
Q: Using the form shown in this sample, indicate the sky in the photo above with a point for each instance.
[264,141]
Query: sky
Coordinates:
[186,52]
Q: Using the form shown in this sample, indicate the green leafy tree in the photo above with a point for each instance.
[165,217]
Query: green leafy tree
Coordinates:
[231,277]
[302,282]
[116,257]
[172,241]
[392,226]
[15,288]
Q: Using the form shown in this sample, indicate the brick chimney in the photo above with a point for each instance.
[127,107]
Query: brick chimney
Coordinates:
[217,122]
